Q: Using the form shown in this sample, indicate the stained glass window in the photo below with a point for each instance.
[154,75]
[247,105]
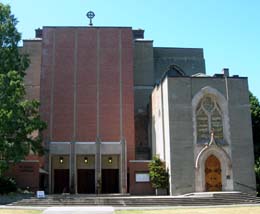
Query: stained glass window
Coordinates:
[208,119]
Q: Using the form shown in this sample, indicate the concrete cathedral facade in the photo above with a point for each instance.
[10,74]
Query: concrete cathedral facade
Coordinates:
[185,110]
[111,101]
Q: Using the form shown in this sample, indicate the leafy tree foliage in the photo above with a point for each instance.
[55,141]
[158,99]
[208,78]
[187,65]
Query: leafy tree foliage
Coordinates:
[158,174]
[7,185]
[19,118]
[257,173]
[255,115]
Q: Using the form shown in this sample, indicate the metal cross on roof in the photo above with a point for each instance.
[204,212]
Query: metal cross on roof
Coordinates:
[90,15]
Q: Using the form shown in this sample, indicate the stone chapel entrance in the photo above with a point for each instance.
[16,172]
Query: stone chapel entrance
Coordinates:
[213,180]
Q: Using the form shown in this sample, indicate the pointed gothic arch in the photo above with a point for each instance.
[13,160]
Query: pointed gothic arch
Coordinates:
[221,105]
[175,70]
[225,162]
[221,151]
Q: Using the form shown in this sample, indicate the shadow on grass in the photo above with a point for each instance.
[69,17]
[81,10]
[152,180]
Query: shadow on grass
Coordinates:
[10,198]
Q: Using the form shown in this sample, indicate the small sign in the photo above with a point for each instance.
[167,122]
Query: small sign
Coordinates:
[142,177]
[40,194]
[26,168]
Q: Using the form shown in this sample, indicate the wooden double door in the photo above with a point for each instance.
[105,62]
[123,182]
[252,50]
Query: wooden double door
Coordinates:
[61,180]
[110,180]
[213,179]
[86,181]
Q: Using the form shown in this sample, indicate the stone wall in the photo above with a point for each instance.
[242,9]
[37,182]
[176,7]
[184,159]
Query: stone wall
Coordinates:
[190,60]
[181,137]
[150,63]
[241,135]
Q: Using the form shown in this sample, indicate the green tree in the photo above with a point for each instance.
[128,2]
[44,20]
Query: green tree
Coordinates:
[255,115]
[19,118]
[158,174]
[257,174]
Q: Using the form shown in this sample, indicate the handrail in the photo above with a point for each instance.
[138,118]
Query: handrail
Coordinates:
[249,187]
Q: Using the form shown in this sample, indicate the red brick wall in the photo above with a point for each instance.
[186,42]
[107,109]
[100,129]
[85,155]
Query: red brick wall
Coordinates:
[63,86]
[128,92]
[109,85]
[46,77]
[26,175]
[86,51]
[139,188]
[87,85]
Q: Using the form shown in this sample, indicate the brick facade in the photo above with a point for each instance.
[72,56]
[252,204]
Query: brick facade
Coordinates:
[26,174]
[139,188]
[87,88]
[87,66]
[97,94]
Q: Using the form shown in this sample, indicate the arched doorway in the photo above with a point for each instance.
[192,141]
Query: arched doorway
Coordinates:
[213,180]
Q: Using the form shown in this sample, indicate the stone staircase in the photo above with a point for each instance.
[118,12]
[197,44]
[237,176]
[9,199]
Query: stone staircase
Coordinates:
[193,199]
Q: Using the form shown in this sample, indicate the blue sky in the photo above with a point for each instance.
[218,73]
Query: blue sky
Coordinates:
[227,30]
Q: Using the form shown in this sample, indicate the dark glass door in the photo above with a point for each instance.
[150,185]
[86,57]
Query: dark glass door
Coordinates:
[86,181]
[110,180]
[61,180]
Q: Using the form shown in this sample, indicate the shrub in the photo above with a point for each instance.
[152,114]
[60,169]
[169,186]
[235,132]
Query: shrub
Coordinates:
[158,174]
[7,185]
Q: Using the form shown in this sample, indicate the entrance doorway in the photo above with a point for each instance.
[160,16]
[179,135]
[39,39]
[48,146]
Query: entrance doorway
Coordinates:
[61,180]
[86,181]
[110,180]
[213,174]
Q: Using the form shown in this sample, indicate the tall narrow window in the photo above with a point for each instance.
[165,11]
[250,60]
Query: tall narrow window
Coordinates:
[208,119]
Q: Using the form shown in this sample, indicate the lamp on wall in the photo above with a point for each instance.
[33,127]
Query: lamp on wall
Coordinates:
[61,160]
[110,160]
[86,160]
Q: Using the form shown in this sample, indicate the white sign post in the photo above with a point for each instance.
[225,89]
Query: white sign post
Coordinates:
[40,194]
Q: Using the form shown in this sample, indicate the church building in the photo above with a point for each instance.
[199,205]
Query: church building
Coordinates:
[112,100]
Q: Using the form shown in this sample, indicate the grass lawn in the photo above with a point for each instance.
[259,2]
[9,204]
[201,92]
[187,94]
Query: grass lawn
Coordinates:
[199,210]
[222,210]
[18,211]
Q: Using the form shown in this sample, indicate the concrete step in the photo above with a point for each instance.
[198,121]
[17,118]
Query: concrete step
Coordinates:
[190,200]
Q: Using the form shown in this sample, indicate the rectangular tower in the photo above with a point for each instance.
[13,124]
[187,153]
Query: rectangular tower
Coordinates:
[87,101]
